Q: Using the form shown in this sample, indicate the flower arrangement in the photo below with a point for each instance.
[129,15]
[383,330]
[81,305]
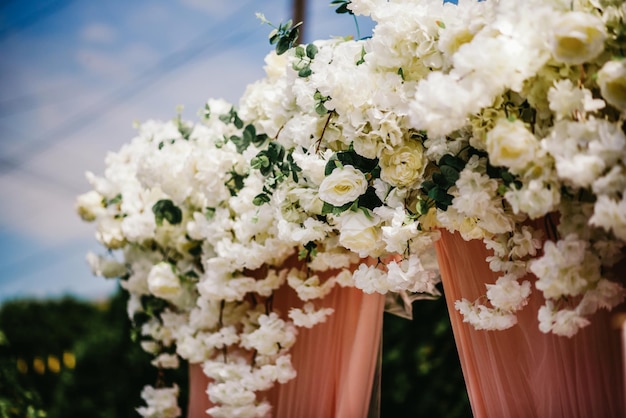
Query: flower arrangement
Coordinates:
[350,157]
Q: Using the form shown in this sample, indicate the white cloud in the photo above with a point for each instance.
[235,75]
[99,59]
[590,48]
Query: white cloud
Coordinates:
[99,33]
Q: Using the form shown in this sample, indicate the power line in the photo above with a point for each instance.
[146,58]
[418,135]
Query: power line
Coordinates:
[95,111]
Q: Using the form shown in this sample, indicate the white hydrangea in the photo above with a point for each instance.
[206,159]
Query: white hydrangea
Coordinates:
[307,317]
[161,402]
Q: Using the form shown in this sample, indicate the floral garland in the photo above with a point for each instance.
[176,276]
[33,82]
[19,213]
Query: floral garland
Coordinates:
[349,158]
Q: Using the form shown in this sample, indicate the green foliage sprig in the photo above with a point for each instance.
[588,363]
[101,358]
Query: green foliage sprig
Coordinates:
[342,6]
[276,164]
[306,56]
[449,169]
[165,209]
[284,35]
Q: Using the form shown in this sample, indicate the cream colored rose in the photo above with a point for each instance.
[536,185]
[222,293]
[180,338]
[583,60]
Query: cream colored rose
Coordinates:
[344,185]
[511,145]
[612,81]
[360,233]
[89,205]
[163,282]
[403,166]
[577,37]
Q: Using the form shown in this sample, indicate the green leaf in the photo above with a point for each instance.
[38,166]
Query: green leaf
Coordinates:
[300,52]
[305,72]
[311,51]
[165,209]
[320,109]
[114,200]
[451,174]
[259,139]
[343,6]
[328,208]
[369,199]
[362,59]
[260,199]
[275,152]
[440,181]
[260,161]
[283,45]
[452,161]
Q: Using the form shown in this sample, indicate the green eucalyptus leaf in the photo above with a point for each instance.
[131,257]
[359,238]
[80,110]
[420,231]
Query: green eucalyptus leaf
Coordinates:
[260,199]
[320,109]
[165,209]
[305,72]
[311,51]
[451,174]
[455,162]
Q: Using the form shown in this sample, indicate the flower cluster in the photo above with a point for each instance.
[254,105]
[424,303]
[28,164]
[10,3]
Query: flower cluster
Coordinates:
[201,262]
[489,119]
[343,165]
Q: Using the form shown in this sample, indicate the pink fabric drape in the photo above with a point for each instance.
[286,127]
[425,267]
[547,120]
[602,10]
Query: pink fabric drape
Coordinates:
[521,372]
[336,361]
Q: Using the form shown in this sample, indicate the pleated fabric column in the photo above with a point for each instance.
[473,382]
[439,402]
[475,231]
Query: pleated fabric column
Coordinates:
[522,372]
[336,361]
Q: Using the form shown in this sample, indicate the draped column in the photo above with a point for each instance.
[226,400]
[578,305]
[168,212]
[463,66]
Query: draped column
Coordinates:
[335,361]
[522,372]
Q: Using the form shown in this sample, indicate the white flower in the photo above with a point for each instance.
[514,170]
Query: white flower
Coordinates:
[89,205]
[344,185]
[566,268]
[577,37]
[273,335]
[610,215]
[166,361]
[566,99]
[535,198]
[565,322]
[508,294]
[163,282]
[482,317]
[370,279]
[403,166]
[308,317]
[410,275]
[511,144]
[360,233]
[612,82]
[230,393]
[162,402]
[310,287]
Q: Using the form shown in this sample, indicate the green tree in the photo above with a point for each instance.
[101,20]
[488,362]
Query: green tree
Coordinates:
[421,374]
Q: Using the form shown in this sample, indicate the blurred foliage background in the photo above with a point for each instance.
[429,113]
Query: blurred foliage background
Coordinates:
[69,359]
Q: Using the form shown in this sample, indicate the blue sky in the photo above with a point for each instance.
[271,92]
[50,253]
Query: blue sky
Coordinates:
[73,78]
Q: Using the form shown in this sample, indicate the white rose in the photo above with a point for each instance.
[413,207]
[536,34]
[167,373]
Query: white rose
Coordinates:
[360,233]
[163,282]
[403,166]
[612,82]
[511,145]
[89,205]
[577,37]
[344,185]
